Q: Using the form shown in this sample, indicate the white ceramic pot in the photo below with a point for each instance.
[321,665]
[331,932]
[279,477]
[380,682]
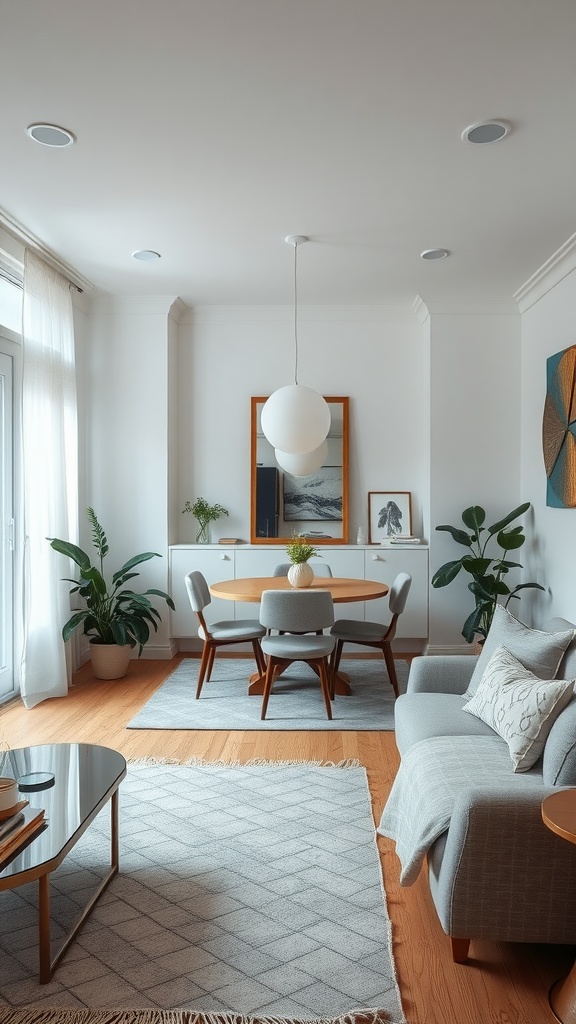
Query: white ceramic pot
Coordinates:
[110,661]
[300,574]
[8,793]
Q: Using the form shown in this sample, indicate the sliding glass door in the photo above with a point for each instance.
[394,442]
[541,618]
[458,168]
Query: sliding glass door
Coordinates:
[6,525]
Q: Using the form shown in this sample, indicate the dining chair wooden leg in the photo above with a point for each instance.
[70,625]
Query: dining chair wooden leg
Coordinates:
[334,665]
[268,685]
[210,663]
[389,659]
[202,670]
[262,660]
[325,684]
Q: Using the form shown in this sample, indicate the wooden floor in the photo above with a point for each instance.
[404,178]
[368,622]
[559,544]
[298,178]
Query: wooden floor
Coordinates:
[502,983]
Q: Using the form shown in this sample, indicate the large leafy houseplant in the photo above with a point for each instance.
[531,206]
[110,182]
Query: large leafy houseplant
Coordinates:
[488,571]
[113,613]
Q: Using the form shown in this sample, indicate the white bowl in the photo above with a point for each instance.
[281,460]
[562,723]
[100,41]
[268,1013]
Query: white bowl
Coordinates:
[8,793]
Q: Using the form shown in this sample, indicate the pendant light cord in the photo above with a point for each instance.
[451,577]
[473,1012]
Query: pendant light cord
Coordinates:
[295,315]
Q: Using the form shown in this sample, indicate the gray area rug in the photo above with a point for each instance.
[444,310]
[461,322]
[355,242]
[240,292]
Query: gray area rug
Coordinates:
[247,889]
[296,701]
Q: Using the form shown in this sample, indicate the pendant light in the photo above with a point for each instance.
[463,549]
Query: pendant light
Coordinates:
[303,464]
[296,419]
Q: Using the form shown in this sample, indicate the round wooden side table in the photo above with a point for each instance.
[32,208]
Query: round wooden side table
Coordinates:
[559,815]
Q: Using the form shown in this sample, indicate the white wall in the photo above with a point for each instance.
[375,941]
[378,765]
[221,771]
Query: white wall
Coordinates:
[128,426]
[474,440]
[228,355]
[434,409]
[548,326]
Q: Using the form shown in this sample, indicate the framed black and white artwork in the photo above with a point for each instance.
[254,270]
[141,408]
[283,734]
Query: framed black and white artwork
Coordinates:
[315,498]
[389,515]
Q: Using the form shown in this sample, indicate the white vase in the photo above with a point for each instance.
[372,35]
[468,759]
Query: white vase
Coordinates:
[300,574]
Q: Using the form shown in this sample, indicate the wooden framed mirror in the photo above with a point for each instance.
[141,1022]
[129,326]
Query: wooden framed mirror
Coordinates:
[282,505]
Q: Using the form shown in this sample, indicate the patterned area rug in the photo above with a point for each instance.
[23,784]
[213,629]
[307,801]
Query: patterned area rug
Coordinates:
[296,700]
[246,889]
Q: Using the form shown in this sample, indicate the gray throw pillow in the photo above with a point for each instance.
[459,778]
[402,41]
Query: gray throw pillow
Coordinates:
[540,652]
[519,706]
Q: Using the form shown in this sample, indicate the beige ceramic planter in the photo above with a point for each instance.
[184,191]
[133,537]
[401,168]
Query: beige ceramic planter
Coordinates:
[300,574]
[109,661]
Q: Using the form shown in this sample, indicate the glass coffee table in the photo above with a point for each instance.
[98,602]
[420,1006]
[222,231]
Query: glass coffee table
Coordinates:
[72,782]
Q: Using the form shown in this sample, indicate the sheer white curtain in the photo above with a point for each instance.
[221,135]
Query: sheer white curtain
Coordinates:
[50,475]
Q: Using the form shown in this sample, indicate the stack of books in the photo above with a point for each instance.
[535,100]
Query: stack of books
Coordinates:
[17,829]
[399,539]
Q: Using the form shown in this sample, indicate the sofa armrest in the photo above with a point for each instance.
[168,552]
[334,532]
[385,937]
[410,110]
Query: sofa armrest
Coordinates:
[500,873]
[441,673]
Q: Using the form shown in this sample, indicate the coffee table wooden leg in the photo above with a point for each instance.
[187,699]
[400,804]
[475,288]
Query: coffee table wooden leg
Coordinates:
[44,952]
[563,998]
[47,964]
[114,832]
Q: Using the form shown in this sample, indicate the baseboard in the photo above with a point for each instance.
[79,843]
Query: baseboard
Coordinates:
[159,652]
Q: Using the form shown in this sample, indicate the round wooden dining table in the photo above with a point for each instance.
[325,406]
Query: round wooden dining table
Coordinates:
[343,590]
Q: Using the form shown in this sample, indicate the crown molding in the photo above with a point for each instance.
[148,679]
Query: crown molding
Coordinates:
[422,310]
[285,314]
[25,238]
[560,264]
[178,310]
[135,305]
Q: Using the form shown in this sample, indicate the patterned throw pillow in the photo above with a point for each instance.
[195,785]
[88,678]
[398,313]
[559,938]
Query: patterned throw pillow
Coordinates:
[519,706]
[539,651]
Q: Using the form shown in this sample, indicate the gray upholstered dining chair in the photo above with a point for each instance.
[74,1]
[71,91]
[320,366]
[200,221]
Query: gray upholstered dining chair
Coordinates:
[320,569]
[373,634]
[293,611]
[219,634]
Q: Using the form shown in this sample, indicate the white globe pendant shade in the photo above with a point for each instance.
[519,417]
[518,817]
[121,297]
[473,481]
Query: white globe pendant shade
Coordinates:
[304,464]
[295,419]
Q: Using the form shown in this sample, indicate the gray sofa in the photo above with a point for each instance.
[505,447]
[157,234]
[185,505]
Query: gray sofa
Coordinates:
[495,871]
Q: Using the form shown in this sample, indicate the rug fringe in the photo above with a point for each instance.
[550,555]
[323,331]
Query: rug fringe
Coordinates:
[254,762]
[65,1015]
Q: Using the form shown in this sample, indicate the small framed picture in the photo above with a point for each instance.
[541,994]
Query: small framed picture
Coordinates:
[389,515]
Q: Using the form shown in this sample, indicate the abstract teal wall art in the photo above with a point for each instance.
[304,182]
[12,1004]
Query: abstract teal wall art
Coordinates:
[559,429]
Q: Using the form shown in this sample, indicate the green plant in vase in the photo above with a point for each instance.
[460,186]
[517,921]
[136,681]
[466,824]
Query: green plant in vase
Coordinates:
[204,514]
[299,550]
[112,615]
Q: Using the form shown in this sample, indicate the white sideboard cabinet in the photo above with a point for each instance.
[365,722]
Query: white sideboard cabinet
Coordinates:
[220,562]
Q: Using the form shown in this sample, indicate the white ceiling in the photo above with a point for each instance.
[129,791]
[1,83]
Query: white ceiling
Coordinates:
[210,129]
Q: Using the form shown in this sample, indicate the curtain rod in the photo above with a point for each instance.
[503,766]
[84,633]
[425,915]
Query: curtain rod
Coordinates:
[22,235]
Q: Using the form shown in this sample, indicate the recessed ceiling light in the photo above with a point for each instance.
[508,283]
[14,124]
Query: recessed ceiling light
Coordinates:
[434,254]
[146,255]
[50,135]
[486,131]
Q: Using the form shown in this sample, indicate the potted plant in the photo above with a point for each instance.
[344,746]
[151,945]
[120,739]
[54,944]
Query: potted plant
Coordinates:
[204,515]
[300,573]
[115,618]
[488,571]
